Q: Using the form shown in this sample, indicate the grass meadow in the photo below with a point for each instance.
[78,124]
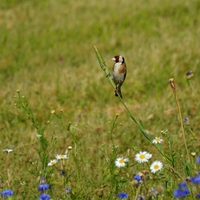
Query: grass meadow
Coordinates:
[56,100]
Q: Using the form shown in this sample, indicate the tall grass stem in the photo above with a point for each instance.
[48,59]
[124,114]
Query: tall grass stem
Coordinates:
[173,86]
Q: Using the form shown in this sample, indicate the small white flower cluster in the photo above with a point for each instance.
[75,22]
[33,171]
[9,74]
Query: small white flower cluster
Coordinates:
[144,156]
[58,157]
[141,157]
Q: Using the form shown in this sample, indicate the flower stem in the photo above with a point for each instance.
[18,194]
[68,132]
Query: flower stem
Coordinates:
[173,86]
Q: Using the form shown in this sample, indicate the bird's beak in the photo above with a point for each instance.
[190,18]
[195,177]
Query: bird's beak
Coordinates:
[113,59]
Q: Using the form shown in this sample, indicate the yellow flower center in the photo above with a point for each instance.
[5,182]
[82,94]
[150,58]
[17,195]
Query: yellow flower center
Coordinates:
[157,139]
[121,161]
[156,166]
[142,156]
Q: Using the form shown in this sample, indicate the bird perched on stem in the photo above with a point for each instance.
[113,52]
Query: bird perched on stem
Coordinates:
[119,73]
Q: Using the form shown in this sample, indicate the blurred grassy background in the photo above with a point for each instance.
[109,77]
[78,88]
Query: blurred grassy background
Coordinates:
[47,53]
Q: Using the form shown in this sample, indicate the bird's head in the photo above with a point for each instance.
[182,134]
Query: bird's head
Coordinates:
[118,58]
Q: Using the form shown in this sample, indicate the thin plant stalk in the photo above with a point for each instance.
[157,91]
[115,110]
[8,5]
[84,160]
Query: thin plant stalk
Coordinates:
[137,192]
[42,152]
[173,86]
[111,134]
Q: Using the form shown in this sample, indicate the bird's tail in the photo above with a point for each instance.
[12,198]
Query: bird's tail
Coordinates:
[118,91]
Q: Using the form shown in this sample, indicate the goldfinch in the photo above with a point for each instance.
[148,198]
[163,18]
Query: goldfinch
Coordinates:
[118,73]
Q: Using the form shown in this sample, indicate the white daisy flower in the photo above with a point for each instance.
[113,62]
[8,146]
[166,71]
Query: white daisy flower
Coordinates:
[157,140]
[52,162]
[156,166]
[143,156]
[121,162]
[7,150]
[61,157]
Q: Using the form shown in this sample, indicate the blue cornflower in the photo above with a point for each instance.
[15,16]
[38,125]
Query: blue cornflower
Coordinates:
[123,195]
[182,190]
[7,193]
[68,190]
[198,159]
[198,196]
[195,180]
[137,177]
[42,187]
[189,74]
[182,185]
[186,120]
[44,197]
[181,193]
